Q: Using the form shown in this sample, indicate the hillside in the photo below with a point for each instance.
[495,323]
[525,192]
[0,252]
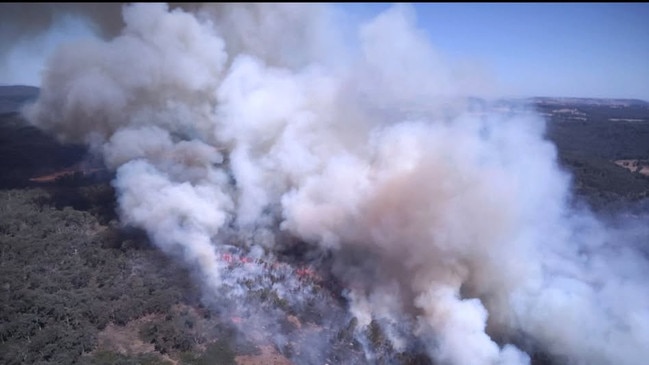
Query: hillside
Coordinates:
[77,287]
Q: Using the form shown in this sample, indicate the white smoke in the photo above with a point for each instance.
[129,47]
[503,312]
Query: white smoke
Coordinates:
[247,124]
[30,32]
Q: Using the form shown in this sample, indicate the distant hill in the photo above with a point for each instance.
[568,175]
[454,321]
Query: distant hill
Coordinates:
[592,137]
[26,151]
[9,91]
[589,101]
[14,96]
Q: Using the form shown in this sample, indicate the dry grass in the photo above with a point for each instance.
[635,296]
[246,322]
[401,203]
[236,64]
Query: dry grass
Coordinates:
[268,356]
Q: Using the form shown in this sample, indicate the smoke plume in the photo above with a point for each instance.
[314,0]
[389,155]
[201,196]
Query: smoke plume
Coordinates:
[246,129]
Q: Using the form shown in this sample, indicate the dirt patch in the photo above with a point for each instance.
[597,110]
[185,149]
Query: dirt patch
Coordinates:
[644,170]
[639,166]
[126,340]
[268,356]
[295,321]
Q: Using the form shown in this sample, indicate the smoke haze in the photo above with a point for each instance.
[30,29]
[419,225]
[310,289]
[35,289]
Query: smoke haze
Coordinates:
[250,128]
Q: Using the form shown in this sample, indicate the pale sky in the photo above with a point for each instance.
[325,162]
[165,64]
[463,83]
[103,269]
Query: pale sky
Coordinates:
[531,49]
[544,49]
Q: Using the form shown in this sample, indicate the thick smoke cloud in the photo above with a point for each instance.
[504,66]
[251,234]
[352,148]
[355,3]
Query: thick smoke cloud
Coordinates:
[242,127]
[28,32]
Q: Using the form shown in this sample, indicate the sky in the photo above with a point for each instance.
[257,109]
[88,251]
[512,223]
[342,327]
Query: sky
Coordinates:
[544,49]
[527,49]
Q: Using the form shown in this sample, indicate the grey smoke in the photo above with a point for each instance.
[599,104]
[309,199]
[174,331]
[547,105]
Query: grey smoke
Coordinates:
[254,123]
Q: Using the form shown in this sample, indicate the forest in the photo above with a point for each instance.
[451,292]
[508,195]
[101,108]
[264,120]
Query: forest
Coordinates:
[77,287]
